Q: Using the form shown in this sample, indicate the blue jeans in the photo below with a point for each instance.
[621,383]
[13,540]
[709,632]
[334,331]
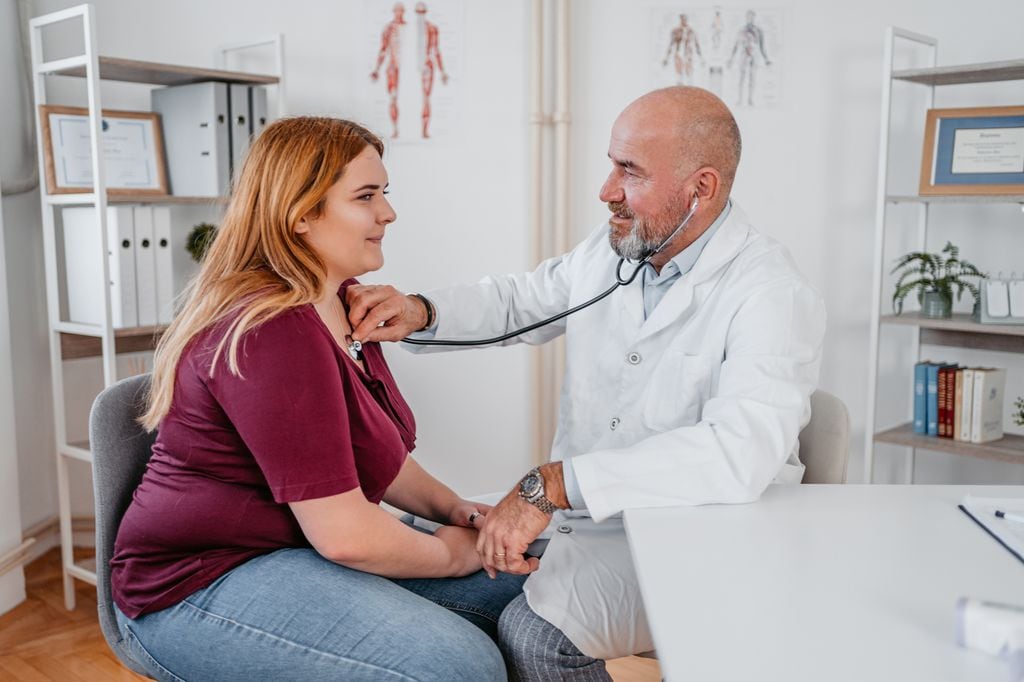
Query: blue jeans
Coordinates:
[293,615]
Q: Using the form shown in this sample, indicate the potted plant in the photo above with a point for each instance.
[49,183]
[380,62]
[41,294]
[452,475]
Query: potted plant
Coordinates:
[199,240]
[935,276]
[1018,416]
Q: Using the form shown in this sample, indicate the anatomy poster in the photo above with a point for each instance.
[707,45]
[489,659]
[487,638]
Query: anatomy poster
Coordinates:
[734,52]
[412,66]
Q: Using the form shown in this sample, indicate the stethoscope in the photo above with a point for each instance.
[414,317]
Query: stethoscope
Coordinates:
[619,282]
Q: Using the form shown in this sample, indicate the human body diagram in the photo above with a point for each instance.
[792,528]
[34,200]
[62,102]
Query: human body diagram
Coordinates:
[429,63]
[732,52]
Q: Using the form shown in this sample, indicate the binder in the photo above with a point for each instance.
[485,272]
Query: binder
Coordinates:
[163,265]
[145,266]
[83,266]
[195,119]
[241,125]
[920,405]
[258,109]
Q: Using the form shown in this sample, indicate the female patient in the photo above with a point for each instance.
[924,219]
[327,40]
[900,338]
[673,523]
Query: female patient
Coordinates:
[255,547]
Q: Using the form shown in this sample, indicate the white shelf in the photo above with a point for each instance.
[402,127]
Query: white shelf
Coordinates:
[83,572]
[79,451]
[988,72]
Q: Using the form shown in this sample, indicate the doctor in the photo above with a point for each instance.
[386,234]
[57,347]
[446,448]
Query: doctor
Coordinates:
[687,387]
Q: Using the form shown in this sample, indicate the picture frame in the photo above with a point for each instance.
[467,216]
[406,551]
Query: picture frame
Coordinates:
[132,146]
[973,151]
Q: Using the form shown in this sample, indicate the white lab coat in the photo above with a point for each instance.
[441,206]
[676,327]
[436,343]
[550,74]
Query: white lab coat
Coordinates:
[700,403]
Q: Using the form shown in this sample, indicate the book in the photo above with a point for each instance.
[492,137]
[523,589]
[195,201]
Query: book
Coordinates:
[987,406]
[949,402]
[966,406]
[941,391]
[932,399]
[920,406]
[957,401]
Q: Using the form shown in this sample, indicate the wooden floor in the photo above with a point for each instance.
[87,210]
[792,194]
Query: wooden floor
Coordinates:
[42,641]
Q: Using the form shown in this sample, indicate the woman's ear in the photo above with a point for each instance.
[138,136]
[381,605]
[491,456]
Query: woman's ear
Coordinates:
[302,227]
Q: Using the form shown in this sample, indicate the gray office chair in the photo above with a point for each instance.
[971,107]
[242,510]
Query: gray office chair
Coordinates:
[825,441]
[120,451]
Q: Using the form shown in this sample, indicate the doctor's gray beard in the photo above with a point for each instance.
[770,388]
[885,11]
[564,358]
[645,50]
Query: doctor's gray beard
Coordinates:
[645,235]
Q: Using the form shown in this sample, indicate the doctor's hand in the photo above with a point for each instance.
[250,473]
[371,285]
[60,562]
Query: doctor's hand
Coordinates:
[507,531]
[382,313]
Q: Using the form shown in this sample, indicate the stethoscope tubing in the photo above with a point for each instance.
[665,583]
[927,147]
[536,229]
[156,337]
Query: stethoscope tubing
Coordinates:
[619,282]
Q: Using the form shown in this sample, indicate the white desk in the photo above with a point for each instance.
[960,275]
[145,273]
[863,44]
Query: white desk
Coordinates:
[821,582]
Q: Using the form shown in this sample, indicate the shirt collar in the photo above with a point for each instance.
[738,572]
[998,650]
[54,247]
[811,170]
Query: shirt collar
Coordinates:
[683,262]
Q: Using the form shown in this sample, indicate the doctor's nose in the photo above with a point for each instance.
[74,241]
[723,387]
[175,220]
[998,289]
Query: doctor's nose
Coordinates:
[611,190]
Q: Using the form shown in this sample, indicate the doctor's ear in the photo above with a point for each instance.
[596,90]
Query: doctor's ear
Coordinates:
[708,183]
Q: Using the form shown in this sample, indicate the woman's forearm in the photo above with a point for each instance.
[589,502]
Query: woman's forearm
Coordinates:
[351,531]
[417,492]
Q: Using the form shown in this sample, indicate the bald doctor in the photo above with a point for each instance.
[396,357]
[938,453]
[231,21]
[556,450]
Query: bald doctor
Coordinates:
[686,387]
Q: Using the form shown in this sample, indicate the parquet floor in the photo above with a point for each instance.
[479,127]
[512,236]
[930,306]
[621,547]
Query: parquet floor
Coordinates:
[41,641]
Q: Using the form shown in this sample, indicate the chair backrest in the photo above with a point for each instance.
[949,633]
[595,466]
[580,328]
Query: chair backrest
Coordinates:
[825,441]
[120,452]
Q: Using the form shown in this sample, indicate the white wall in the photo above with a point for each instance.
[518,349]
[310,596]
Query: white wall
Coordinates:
[807,178]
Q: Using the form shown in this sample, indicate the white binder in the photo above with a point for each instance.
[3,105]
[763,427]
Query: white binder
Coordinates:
[83,266]
[260,117]
[145,266]
[241,126]
[164,265]
[197,129]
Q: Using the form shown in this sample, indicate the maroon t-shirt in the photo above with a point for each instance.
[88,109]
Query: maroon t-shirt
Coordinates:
[301,422]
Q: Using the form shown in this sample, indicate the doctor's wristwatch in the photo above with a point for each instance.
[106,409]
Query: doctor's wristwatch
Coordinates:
[531,489]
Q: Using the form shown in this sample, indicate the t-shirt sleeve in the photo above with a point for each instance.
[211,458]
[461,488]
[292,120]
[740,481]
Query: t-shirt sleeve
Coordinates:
[289,408]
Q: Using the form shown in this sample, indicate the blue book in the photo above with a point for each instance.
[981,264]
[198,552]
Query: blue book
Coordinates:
[920,405]
[932,399]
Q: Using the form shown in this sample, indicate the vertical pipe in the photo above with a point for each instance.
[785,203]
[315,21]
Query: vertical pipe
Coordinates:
[542,388]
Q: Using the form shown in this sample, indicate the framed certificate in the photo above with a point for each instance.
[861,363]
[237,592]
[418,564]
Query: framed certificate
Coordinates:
[131,142]
[973,151]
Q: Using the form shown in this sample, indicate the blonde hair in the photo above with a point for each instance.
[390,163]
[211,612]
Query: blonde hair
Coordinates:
[257,266]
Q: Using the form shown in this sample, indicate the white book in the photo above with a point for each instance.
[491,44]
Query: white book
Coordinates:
[987,411]
[241,126]
[163,264]
[145,266]
[965,406]
[83,266]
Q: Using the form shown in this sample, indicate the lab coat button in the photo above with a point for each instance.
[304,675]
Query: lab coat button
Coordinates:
[615,423]
[564,529]
[634,358]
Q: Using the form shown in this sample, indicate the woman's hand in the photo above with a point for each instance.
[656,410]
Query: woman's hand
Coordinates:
[468,514]
[461,545]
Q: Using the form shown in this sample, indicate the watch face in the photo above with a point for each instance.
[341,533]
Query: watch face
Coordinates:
[531,485]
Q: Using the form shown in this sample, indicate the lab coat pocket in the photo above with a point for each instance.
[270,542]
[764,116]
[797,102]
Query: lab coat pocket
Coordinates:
[679,386]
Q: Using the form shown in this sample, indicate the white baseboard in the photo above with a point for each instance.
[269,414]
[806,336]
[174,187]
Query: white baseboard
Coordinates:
[45,535]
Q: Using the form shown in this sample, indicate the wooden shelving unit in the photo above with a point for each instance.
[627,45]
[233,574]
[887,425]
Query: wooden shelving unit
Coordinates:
[153,73]
[960,331]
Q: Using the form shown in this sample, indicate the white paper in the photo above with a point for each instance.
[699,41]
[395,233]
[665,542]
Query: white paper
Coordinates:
[984,510]
[128,148]
[988,150]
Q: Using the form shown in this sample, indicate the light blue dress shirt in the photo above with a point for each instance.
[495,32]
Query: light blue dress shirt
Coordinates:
[656,285]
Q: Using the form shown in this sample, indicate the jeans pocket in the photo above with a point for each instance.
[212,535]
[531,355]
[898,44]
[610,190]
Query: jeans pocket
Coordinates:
[145,659]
